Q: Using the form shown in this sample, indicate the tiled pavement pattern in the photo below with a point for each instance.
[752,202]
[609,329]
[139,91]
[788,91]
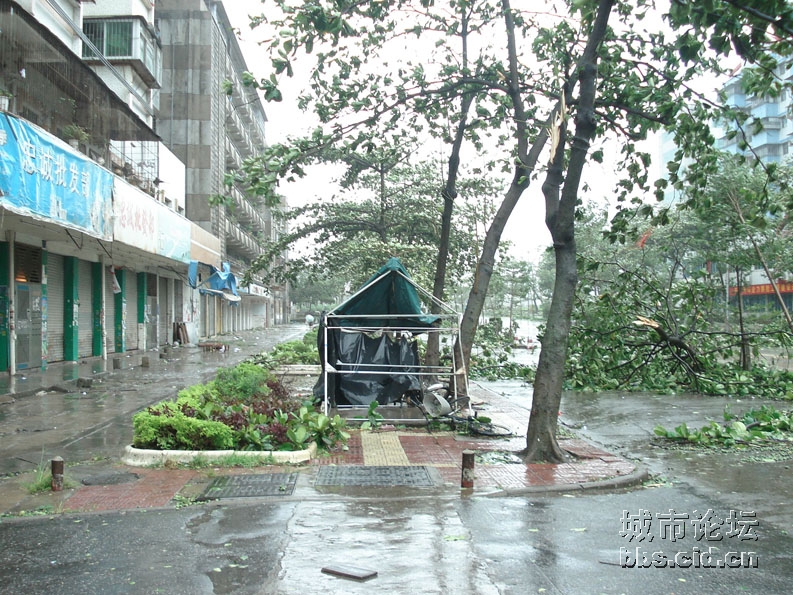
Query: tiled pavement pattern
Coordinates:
[444,451]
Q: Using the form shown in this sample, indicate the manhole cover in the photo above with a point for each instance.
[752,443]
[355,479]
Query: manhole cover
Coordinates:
[243,486]
[110,479]
[362,475]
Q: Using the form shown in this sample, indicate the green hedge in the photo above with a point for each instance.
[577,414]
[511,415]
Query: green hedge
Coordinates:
[176,431]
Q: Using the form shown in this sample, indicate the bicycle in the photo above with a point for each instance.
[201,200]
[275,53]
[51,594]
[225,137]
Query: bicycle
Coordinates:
[435,404]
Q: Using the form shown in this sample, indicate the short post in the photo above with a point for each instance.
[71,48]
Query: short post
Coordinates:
[467,480]
[56,466]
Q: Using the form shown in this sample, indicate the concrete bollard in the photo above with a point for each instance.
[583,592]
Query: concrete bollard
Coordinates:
[467,480]
[56,467]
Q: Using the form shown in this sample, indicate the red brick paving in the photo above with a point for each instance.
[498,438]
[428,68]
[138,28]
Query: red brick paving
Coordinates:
[444,450]
[155,488]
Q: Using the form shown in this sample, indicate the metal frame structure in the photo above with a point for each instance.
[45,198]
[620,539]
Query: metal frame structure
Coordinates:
[448,323]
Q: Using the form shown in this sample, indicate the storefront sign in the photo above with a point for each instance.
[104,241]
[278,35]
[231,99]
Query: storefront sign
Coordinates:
[41,177]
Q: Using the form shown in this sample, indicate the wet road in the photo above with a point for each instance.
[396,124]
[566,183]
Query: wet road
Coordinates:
[452,544]
[623,423]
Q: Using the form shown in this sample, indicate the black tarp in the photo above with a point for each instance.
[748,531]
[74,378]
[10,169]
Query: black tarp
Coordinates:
[369,363]
[380,367]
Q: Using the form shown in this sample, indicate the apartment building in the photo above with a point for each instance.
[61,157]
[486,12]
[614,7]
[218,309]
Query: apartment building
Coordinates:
[98,253]
[213,133]
[771,143]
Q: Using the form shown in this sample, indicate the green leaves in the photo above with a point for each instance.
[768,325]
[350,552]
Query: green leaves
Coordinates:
[373,418]
[756,425]
[243,408]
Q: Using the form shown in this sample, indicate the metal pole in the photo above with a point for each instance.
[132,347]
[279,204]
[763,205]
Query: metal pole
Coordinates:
[12,299]
[56,467]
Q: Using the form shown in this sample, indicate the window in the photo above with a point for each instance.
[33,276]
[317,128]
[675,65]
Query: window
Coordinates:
[112,38]
[127,39]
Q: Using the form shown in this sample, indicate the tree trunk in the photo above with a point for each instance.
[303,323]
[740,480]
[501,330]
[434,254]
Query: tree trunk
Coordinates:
[484,267]
[449,193]
[746,352]
[524,165]
[541,443]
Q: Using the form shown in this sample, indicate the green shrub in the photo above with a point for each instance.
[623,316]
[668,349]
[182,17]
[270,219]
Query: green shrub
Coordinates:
[197,395]
[299,352]
[176,431]
[245,382]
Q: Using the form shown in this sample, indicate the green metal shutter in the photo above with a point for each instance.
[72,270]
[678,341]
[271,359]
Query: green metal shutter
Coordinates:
[55,314]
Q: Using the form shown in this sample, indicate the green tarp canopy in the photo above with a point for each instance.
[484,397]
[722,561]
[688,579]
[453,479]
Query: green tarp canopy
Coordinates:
[390,291]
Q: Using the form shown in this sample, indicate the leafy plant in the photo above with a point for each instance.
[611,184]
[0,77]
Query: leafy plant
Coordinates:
[177,431]
[246,382]
[373,418]
[756,425]
[243,408]
[76,132]
[299,352]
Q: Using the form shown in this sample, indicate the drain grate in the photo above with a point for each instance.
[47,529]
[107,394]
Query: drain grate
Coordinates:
[246,486]
[381,476]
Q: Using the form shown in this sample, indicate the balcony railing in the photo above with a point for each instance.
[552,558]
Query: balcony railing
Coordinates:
[126,41]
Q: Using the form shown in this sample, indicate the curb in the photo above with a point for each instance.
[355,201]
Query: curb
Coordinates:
[142,457]
[636,477]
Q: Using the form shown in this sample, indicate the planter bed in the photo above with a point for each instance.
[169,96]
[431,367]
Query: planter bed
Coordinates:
[144,457]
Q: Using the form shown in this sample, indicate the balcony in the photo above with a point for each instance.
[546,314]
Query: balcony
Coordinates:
[239,241]
[245,211]
[773,123]
[125,41]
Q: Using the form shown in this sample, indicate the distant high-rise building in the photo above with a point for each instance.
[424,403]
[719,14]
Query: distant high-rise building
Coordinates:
[213,133]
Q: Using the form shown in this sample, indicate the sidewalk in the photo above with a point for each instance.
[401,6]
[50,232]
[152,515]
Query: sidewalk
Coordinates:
[119,487]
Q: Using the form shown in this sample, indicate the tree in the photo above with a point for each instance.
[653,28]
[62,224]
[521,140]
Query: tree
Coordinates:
[321,294]
[738,208]
[649,316]
[385,208]
[608,81]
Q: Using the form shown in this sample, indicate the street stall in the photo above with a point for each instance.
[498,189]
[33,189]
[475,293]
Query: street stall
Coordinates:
[371,346]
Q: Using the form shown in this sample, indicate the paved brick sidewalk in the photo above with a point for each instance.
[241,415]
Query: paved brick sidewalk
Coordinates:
[444,451]
[441,450]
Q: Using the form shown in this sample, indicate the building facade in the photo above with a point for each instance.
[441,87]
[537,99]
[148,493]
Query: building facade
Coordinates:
[96,238]
[771,143]
[213,133]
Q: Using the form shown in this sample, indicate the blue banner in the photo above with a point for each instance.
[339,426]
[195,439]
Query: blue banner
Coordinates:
[43,178]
